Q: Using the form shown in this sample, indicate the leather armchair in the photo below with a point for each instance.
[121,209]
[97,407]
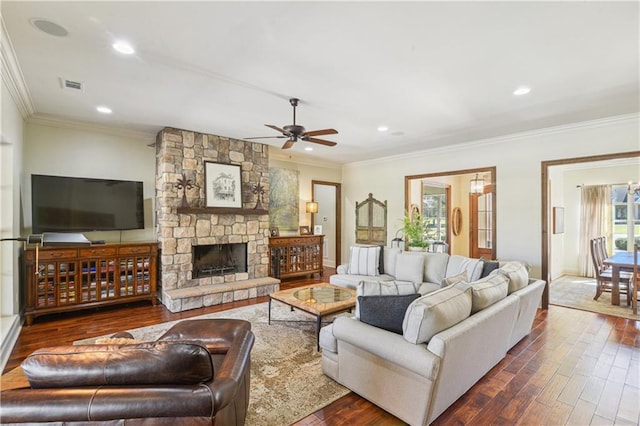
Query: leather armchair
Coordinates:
[162,398]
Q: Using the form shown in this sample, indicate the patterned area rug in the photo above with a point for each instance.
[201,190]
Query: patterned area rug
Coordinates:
[287,382]
[578,292]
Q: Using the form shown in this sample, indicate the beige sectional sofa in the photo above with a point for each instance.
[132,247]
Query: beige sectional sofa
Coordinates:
[426,270]
[449,338]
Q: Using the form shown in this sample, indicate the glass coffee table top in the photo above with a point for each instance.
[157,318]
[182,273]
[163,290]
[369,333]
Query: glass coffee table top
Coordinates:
[322,295]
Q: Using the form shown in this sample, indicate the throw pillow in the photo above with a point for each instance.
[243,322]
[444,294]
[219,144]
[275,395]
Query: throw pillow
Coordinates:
[382,288]
[386,312]
[409,267]
[487,291]
[460,278]
[517,274]
[364,260]
[459,263]
[488,266]
[389,259]
[435,266]
[435,312]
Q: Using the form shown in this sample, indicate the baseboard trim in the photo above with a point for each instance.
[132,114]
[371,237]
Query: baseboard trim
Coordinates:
[13,326]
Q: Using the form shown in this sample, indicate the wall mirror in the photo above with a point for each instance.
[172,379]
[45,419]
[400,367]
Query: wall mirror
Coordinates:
[459,222]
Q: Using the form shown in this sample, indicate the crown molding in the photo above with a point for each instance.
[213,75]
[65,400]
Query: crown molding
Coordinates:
[51,121]
[631,119]
[12,75]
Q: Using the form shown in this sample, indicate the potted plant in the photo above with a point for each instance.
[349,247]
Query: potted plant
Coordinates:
[414,231]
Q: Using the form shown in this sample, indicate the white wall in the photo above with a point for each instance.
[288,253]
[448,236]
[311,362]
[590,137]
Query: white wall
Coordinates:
[518,173]
[61,149]
[11,142]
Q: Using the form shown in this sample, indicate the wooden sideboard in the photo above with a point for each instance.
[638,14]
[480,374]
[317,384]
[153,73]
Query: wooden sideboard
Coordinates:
[68,278]
[295,256]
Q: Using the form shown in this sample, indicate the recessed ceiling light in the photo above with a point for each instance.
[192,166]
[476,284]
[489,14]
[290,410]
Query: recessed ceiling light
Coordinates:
[383,128]
[308,148]
[49,27]
[123,47]
[104,110]
[523,90]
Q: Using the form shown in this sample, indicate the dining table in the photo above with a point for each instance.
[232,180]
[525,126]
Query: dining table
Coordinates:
[621,261]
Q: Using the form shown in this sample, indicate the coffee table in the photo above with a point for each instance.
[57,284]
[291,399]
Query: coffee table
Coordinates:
[319,300]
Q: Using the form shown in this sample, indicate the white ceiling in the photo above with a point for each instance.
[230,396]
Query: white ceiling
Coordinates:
[435,73]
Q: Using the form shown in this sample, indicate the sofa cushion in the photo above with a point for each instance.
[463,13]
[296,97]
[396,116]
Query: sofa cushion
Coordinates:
[436,311]
[386,312]
[352,281]
[488,266]
[409,267]
[179,363]
[435,267]
[487,291]
[382,288]
[517,274]
[389,259]
[428,288]
[458,263]
[460,278]
[364,260]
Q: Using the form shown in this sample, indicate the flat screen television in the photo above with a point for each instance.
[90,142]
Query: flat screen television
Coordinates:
[74,204]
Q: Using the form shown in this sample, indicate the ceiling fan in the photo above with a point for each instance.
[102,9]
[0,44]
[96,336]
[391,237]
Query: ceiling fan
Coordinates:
[295,132]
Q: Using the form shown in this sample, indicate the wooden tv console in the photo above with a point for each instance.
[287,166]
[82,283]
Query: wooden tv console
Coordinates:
[69,278]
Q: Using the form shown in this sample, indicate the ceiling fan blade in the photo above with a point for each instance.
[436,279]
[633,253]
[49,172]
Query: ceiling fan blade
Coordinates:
[321,132]
[288,144]
[277,129]
[321,142]
[267,137]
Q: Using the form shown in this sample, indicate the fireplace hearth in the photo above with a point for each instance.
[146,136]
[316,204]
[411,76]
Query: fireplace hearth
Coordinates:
[219,259]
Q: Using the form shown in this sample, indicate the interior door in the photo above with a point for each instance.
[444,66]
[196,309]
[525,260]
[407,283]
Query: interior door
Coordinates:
[328,196]
[481,227]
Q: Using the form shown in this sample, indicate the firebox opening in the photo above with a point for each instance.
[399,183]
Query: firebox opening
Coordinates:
[219,259]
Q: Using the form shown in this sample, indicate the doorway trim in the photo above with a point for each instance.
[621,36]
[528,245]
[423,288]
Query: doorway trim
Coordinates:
[338,212]
[545,206]
[494,180]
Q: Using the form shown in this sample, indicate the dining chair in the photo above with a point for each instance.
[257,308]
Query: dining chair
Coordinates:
[604,279]
[635,280]
[602,251]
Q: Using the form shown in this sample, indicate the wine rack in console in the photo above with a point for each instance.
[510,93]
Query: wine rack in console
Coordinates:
[295,256]
[60,279]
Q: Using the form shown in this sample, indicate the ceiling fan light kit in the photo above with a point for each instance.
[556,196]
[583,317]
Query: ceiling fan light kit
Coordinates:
[294,132]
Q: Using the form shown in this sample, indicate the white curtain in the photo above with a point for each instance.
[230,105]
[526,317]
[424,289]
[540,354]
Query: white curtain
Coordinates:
[595,221]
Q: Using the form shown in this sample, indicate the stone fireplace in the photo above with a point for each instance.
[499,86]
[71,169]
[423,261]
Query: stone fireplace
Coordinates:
[182,230]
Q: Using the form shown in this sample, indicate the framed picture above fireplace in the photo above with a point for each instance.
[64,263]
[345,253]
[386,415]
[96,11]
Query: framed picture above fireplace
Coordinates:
[223,185]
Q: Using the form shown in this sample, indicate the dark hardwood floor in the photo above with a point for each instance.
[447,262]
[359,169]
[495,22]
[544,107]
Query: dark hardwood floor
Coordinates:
[575,367]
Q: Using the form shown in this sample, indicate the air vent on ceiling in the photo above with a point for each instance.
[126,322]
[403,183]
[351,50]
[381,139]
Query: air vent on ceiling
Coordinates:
[71,85]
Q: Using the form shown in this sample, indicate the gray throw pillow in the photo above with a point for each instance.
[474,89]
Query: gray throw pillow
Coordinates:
[488,267]
[386,312]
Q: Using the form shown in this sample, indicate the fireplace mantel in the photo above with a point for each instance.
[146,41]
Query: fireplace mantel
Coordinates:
[221,210]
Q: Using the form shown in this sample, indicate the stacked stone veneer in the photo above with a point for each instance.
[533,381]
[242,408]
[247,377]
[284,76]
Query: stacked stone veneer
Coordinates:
[185,152]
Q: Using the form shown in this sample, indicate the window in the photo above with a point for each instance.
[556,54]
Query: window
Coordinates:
[624,228]
[434,210]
